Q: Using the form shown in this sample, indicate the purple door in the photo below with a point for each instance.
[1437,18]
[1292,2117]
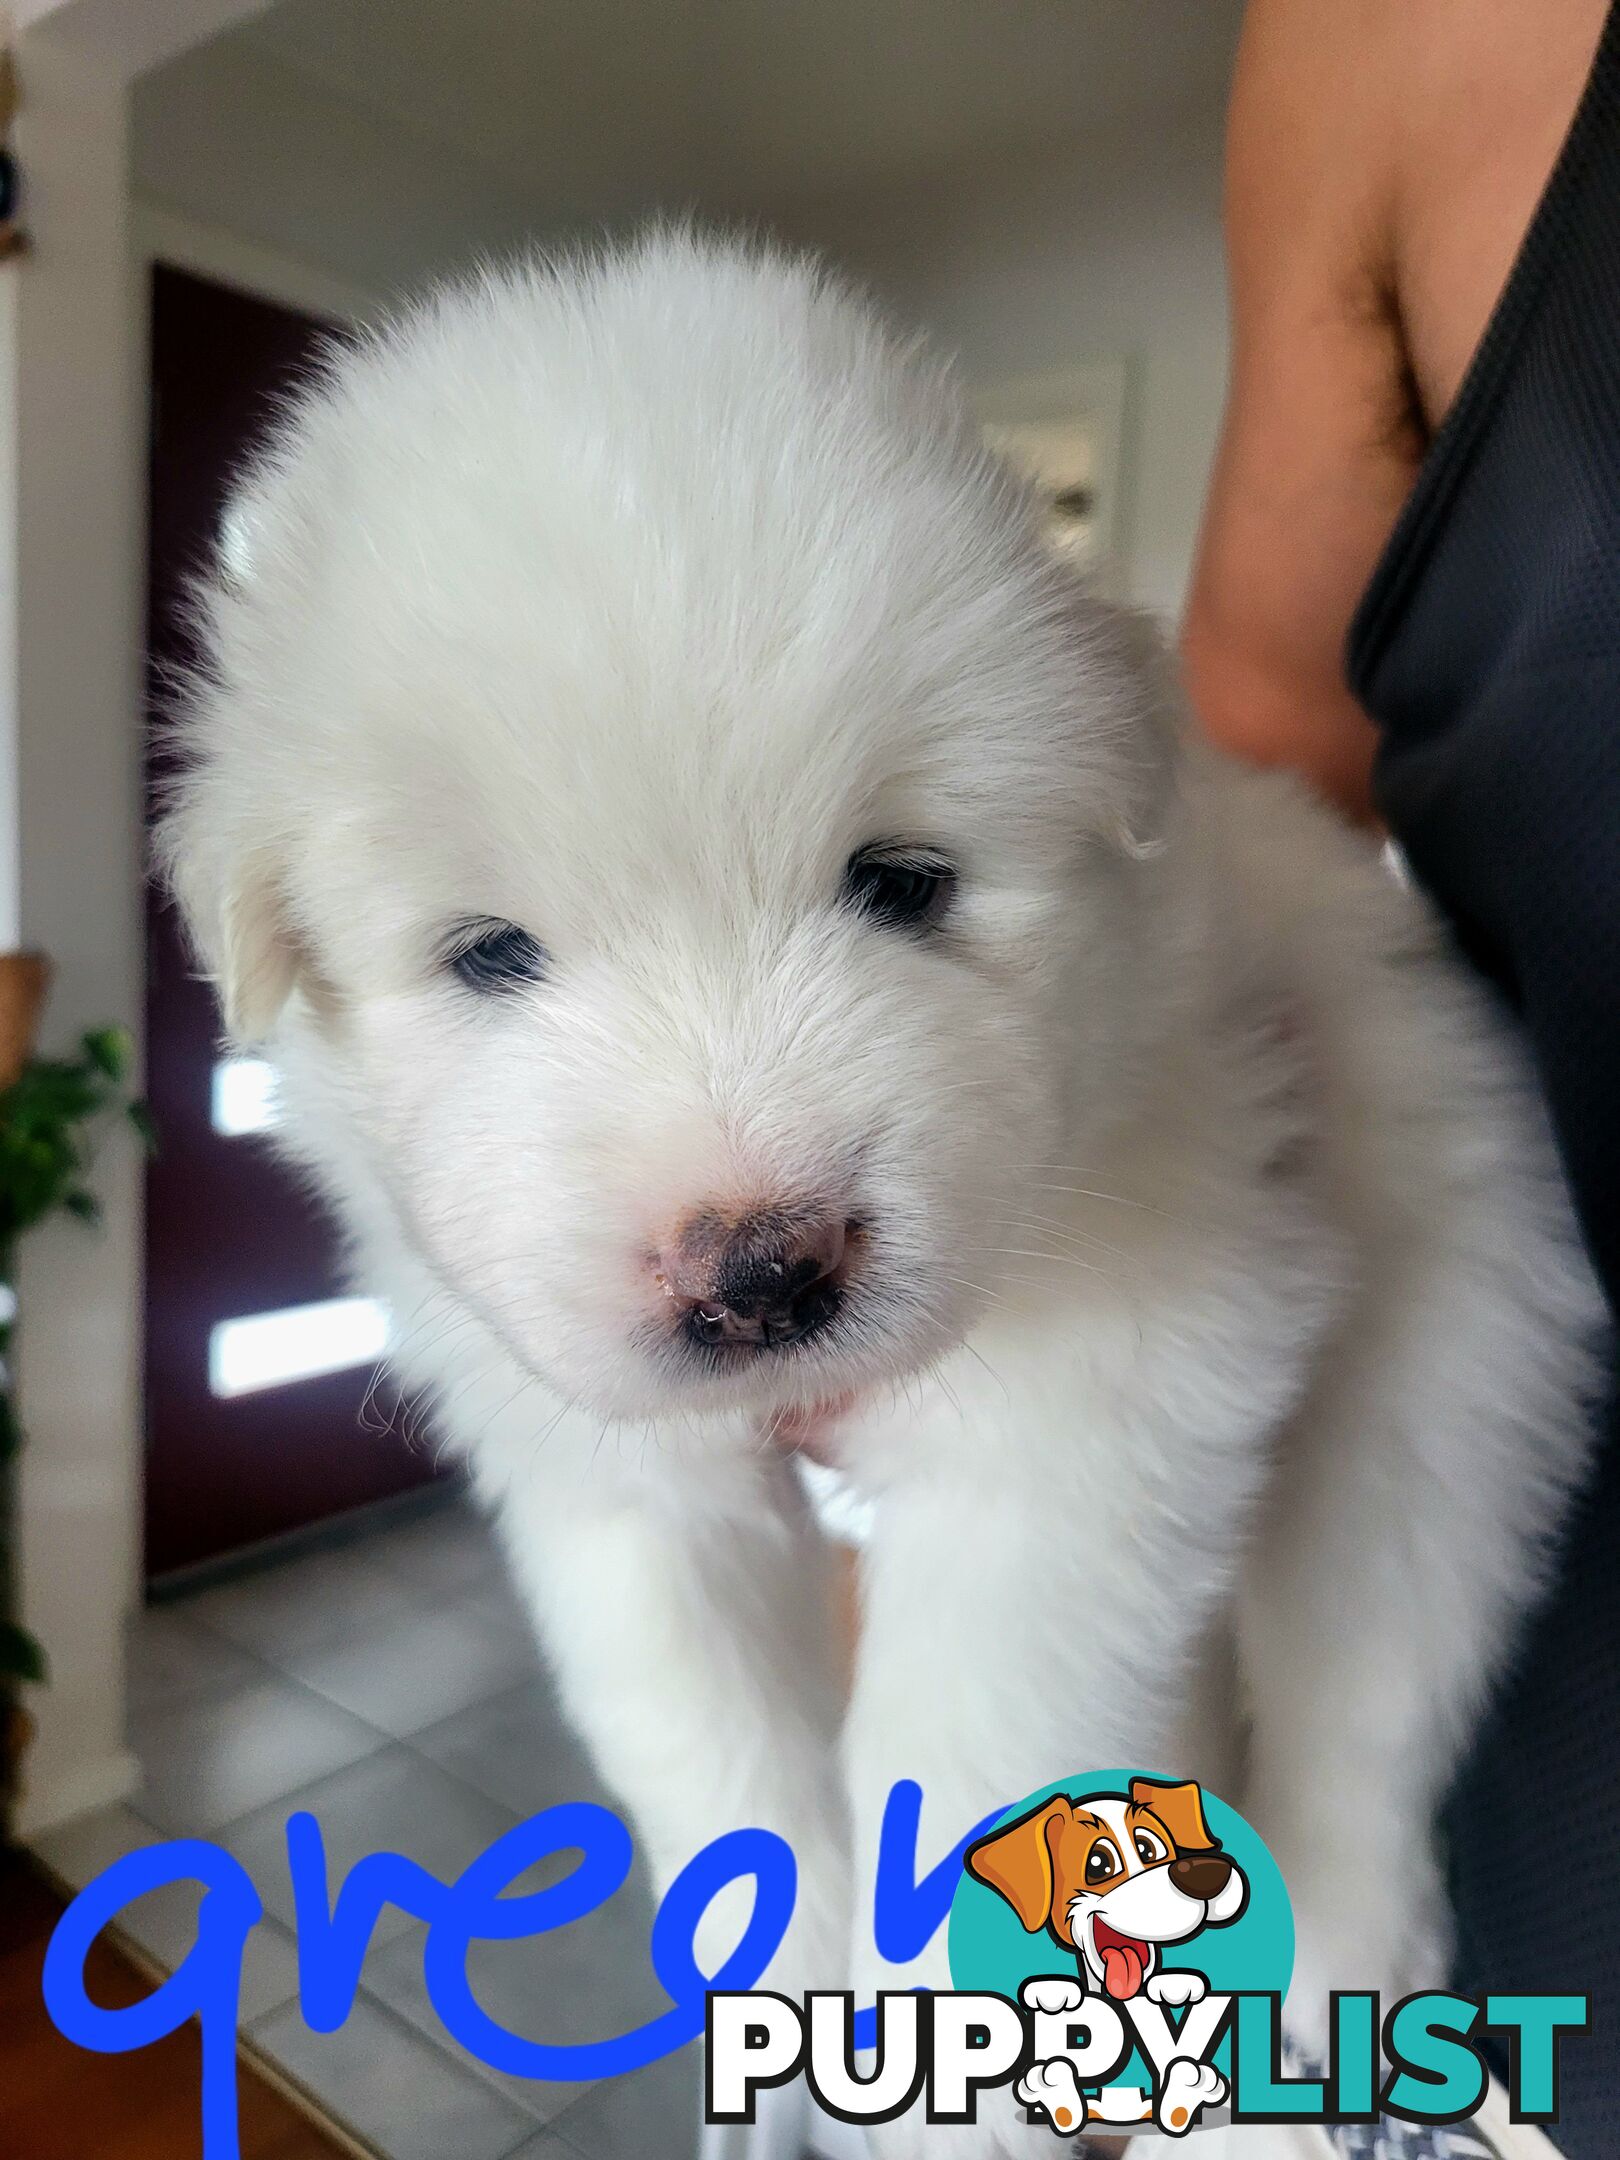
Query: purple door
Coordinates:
[257,1367]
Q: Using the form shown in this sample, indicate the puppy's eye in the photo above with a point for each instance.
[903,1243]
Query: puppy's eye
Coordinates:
[906,888]
[1102,1864]
[491,957]
[1149,1849]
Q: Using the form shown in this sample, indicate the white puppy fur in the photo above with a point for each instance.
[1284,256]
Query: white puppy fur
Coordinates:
[1214,1282]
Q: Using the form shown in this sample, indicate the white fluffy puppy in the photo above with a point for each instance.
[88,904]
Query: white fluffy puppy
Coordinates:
[753,965]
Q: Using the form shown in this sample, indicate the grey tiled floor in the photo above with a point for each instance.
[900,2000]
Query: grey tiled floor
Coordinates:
[391,1688]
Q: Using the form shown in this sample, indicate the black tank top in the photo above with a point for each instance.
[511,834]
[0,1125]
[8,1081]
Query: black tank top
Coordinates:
[1488,649]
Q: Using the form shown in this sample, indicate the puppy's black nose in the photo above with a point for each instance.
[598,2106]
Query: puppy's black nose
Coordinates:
[762,1281]
[1201,1875]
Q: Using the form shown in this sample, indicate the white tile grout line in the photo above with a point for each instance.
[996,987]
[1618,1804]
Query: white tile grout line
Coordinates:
[282,2081]
[465,2059]
[287,1674]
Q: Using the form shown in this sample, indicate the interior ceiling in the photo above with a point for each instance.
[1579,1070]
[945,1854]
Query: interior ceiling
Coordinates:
[581,109]
[761,98]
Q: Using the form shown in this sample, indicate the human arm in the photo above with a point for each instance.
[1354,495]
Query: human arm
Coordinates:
[1321,438]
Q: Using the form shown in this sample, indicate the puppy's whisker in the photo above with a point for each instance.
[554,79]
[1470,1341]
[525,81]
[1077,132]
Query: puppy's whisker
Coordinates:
[771,1431]
[979,1359]
[1036,1282]
[935,1372]
[1025,1252]
[1114,1199]
[1049,1226]
[966,1282]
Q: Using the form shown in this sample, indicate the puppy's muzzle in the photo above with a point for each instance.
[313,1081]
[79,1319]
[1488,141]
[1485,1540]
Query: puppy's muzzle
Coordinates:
[758,1282]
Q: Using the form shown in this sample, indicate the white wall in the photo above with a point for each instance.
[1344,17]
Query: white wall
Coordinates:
[1113,251]
[69,680]
[232,139]
[71,490]
[123,37]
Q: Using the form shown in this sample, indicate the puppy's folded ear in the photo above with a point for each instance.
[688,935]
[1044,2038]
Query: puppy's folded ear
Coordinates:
[225,838]
[234,910]
[1016,1862]
[258,957]
[1180,1808]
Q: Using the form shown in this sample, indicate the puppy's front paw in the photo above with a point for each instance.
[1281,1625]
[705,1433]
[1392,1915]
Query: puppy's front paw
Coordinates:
[1052,2086]
[1390,1937]
[1175,1990]
[1188,2087]
[1053,1995]
[1370,1907]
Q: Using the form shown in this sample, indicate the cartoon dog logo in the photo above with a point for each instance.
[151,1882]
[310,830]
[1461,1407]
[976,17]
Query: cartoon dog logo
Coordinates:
[1113,1877]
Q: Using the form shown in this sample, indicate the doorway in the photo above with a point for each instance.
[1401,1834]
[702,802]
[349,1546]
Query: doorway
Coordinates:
[258,1361]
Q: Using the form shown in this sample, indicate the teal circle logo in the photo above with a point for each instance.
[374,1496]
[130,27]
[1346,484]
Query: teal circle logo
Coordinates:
[1113,1878]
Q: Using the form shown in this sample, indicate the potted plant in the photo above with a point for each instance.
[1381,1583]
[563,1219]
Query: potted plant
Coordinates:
[48,1107]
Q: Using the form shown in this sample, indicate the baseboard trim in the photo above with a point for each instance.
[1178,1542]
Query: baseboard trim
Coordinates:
[84,1791]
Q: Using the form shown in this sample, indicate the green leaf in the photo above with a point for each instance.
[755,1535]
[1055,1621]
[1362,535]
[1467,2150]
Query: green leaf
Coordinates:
[108,1049]
[45,1116]
[21,1658]
[140,1117]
